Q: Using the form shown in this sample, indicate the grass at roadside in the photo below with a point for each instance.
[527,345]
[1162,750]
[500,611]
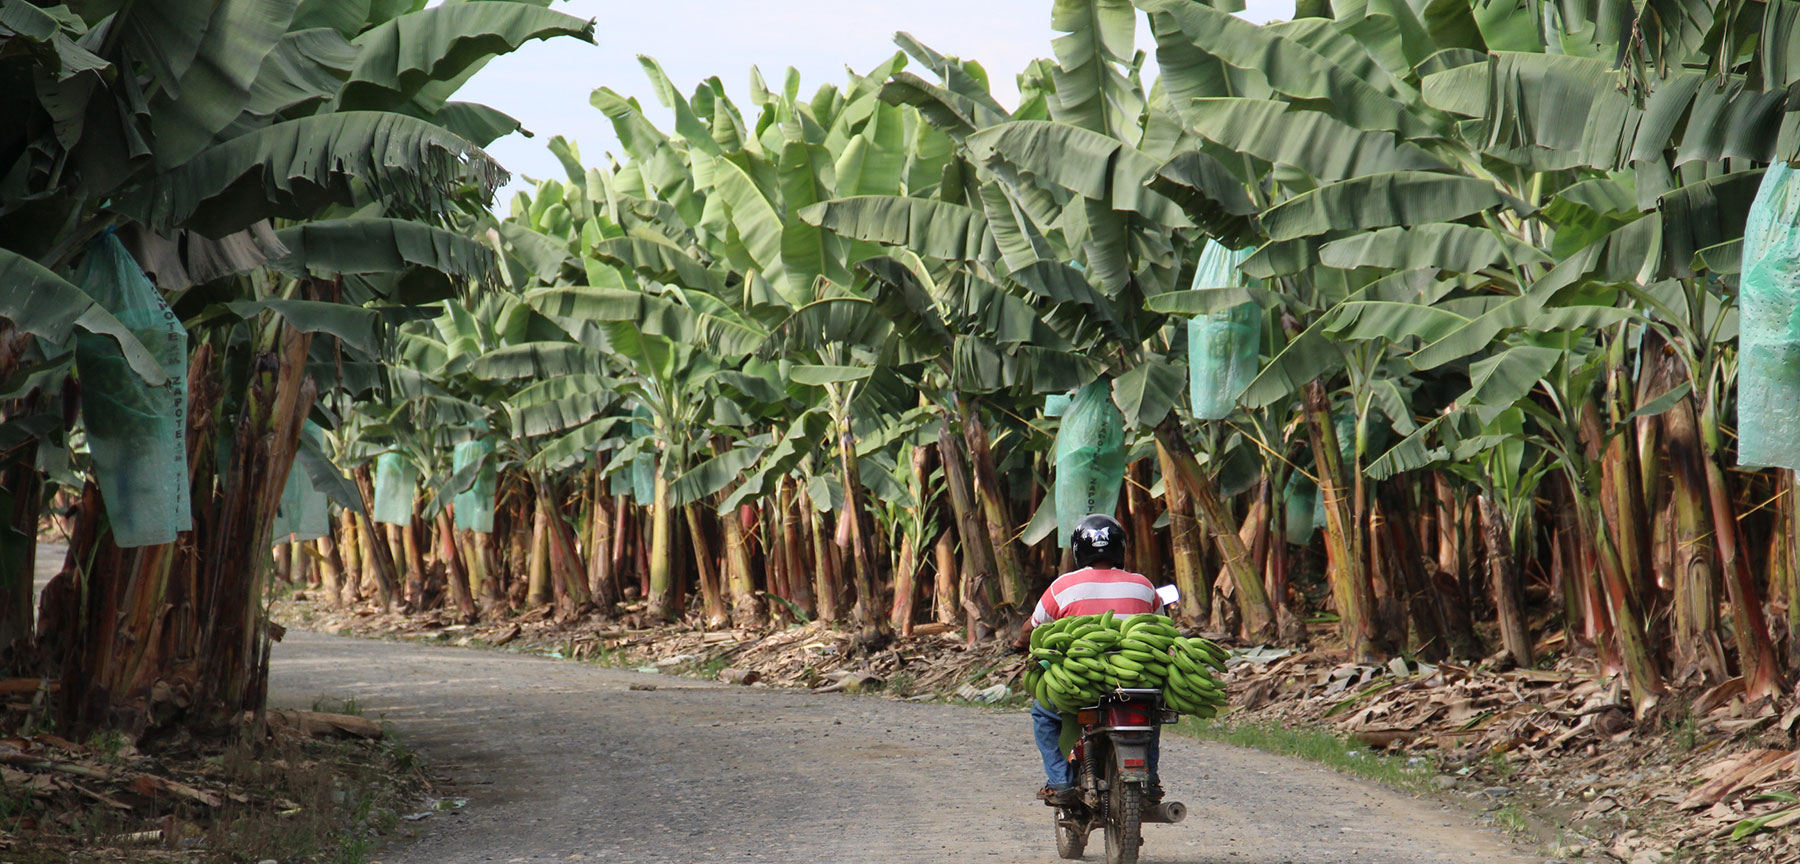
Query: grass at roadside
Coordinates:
[1405,773]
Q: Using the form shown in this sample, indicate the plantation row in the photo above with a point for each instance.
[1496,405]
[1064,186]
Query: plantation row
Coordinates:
[1425,320]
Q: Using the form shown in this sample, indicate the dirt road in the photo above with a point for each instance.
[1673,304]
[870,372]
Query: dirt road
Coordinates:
[561,761]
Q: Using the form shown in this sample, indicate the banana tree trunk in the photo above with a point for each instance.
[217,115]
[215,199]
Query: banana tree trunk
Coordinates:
[1147,558]
[455,573]
[1450,585]
[1345,543]
[1014,586]
[622,532]
[282,568]
[662,553]
[979,589]
[905,576]
[350,552]
[746,607]
[793,548]
[1402,555]
[905,588]
[824,559]
[866,610]
[21,489]
[1756,653]
[331,570]
[1788,528]
[1252,600]
[1508,589]
[778,580]
[1642,672]
[1696,596]
[415,562]
[378,557]
[712,599]
[571,570]
[1184,543]
[539,590]
[487,574]
[945,609]
[174,634]
[600,548]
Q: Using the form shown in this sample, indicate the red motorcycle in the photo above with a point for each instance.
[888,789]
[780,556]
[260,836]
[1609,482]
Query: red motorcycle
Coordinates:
[1112,771]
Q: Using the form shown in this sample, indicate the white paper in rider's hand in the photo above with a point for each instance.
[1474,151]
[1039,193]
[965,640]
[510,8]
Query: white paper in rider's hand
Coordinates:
[1169,595]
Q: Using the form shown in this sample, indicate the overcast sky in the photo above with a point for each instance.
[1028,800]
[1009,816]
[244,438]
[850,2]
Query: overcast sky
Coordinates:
[546,84]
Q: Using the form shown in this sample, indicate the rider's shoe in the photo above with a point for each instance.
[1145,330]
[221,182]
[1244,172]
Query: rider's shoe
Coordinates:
[1053,795]
[1153,793]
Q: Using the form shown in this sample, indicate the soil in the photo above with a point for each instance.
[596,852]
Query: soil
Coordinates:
[564,761]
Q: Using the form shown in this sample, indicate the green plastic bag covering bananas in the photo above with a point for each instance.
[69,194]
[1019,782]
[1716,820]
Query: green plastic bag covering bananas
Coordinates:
[1081,657]
[1222,346]
[136,433]
[475,505]
[1090,458]
[1768,383]
[396,482]
[304,512]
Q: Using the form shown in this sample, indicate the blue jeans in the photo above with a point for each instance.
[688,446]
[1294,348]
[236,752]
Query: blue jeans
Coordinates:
[1046,725]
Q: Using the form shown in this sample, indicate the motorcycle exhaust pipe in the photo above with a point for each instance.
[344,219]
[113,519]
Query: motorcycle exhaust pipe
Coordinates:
[1168,812]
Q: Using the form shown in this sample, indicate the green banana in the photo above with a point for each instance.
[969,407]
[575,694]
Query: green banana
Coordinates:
[1120,661]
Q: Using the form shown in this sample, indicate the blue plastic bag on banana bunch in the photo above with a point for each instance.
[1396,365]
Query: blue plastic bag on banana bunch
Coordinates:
[304,512]
[136,433]
[1223,345]
[643,468]
[1090,458]
[396,482]
[1769,338]
[1302,511]
[1057,404]
[475,505]
[1304,507]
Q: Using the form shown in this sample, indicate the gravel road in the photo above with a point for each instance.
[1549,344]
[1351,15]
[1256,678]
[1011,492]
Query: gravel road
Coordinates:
[561,761]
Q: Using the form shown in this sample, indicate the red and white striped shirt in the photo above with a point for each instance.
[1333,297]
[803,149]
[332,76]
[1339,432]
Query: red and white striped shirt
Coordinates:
[1092,591]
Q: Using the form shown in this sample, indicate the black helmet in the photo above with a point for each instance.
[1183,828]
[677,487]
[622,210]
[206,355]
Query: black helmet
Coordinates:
[1099,538]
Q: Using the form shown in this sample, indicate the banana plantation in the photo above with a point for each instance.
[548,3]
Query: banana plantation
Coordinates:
[1449,329]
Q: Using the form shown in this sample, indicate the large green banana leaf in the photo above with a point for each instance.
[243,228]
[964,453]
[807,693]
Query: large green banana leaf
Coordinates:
[1290,67]
[935,229]
[1091,92]
[1313,141]
[293,168]
[399,57]
[328,247]
[216,85]
[1379,201]
[1446,246]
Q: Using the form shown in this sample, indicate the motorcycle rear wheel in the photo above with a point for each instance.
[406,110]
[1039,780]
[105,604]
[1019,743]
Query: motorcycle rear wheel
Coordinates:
[1124,817]
[1070,842]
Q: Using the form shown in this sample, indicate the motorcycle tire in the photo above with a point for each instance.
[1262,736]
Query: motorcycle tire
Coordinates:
[1124,817]
[1071,842]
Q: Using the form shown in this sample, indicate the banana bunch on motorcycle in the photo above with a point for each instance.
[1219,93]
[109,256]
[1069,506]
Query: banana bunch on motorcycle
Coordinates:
[1080,657]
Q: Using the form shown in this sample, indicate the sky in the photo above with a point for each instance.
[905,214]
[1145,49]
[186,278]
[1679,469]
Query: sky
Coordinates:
[546,84]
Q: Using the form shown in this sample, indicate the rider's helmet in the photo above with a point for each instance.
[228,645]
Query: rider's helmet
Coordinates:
[1099,539]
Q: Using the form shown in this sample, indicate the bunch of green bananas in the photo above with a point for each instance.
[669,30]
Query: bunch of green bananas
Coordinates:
[1081,657]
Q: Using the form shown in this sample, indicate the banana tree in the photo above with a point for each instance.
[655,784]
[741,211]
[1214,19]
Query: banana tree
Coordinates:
[199,132]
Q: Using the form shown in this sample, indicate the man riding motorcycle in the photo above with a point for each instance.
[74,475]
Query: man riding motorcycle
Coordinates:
[1099,583]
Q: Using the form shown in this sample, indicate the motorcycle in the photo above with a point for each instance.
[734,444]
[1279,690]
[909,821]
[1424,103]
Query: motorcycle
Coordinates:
[1112,771]
[1111,775]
